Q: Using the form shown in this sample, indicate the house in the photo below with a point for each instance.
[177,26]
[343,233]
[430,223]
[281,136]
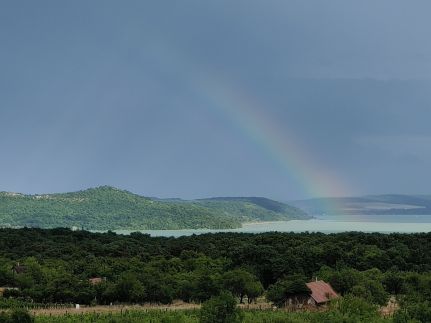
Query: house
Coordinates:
[321,293]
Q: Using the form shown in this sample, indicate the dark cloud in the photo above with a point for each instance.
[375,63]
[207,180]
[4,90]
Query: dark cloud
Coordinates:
[104,92]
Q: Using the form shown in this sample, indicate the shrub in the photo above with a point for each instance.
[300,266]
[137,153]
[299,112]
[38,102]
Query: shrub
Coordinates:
[221,309]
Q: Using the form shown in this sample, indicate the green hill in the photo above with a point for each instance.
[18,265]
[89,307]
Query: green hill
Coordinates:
[108,208]
[248,209]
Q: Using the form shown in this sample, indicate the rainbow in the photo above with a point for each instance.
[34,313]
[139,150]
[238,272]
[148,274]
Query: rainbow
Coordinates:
[246,114]
[256,124]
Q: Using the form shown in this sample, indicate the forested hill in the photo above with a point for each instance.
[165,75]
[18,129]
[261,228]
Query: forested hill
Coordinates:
[253,208]
[108,208]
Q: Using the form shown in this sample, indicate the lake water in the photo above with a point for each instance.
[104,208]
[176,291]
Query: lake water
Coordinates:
[325,224]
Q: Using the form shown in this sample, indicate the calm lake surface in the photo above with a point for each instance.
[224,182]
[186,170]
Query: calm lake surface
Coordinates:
[325,224]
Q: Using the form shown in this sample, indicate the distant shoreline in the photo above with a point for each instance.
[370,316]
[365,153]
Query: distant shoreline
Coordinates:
[267,222]
[335,224]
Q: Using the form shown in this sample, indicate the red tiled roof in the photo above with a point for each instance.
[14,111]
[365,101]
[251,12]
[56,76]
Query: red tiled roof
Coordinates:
[321,292]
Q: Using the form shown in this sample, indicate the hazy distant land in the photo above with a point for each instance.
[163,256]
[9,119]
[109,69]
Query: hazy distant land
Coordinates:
[368,205]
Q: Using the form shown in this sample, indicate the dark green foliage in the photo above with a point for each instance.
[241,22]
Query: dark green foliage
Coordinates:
[16,316]
[220,309]
[292,287]
[107,208]
[415,299]
[393,282]
[350,310]
[21,316]
[364,284]
[253,290]
[414,312]
[137,268]
[242,283]
[127,289]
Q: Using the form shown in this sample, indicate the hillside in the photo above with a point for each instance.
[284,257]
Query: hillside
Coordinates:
[248,209]
[368,205]
[108,208]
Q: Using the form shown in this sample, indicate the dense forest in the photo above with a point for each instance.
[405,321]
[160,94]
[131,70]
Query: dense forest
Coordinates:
[108,208]
[57,265]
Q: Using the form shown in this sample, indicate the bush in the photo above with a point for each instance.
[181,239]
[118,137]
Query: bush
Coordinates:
[16,316]
[354,306]
[21,316]
[414,312]
[221,309]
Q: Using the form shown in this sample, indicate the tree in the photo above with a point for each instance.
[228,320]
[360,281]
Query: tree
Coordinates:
[361,292]
[239,282]
[378,293]
[414,312]
[284,289]
[5,272]
[253,290]
[344,280]
[129,289]
[393,282]
[220,309]
[205,286]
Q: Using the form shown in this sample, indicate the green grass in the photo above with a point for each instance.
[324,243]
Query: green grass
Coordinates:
[155,316]
[192,316]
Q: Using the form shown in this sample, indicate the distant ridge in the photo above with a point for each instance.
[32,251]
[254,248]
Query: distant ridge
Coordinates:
[110,208]
[254,208]
[369,205]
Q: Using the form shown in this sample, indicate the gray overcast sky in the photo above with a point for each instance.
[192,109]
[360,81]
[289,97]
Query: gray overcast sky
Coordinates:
[111,92]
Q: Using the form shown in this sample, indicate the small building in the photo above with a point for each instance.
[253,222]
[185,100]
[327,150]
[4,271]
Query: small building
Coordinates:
[321,293]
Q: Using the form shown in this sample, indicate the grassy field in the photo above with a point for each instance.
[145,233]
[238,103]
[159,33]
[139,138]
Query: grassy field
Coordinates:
[192,316]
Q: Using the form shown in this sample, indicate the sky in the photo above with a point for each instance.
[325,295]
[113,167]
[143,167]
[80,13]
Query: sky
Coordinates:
[283,99]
